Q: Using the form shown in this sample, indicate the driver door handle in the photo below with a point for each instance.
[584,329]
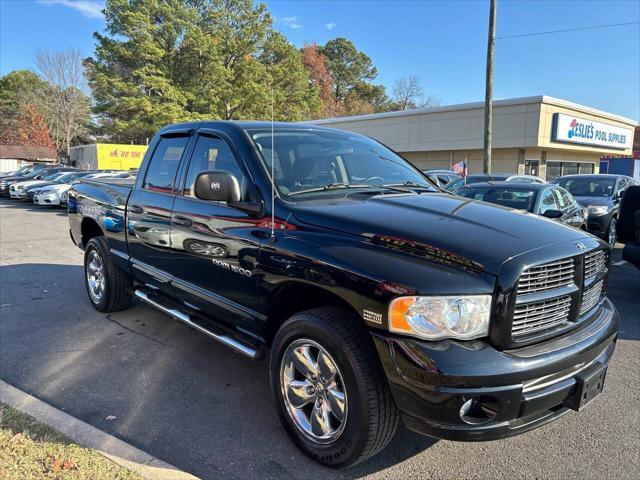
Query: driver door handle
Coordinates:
[137,209]
[182,221]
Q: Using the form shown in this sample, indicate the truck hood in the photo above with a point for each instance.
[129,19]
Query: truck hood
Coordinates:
[439,226]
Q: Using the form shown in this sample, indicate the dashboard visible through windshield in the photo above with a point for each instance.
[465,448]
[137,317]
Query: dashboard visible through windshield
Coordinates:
[316,161]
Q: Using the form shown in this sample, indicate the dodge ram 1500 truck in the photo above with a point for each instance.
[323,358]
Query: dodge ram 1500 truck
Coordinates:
[378,296]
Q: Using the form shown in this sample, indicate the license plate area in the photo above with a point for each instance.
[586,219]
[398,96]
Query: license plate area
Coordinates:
[589,385]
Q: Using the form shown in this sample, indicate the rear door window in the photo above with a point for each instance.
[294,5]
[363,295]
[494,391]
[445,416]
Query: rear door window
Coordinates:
[161,173]
[548,201]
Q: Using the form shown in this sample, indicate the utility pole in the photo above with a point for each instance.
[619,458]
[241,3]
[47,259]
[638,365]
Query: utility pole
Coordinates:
[488,96]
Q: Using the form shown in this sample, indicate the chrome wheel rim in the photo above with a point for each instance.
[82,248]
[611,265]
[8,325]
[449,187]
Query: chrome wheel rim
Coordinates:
[313,391]
[95,277]
[612,233]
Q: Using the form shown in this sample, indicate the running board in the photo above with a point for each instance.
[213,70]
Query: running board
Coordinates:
[248,350]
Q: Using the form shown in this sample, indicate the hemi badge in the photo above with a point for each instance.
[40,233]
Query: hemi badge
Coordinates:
[372,317]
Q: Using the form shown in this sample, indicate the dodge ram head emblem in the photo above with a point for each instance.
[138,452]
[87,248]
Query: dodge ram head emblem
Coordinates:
[215,185]
[581,246]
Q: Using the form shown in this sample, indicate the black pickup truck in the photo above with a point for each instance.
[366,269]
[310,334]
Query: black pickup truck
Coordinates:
[377,295]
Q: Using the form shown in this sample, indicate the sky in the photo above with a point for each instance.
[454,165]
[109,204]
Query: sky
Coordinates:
[442,42]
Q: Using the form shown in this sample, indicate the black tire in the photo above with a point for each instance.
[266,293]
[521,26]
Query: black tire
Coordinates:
[372,417]
[117,284]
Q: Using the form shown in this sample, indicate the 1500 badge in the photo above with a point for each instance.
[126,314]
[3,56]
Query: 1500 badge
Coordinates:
[233,268]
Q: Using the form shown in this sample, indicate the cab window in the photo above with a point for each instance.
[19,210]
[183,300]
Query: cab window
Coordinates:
[212,154]
[163,166]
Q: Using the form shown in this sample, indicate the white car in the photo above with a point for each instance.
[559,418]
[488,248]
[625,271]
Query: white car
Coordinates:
[18,189]
[51,194]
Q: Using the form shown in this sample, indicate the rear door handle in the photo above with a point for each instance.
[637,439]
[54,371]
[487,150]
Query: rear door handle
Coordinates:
[182,221]
[136,209]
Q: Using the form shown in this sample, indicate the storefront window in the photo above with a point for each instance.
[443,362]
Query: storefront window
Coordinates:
[569,168]
[586,168]
[554,169]
[559,169]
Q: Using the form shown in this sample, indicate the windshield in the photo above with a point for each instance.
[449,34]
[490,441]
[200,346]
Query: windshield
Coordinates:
[587,187]
[67,177]
[307,161]
[51,176]
[518,199]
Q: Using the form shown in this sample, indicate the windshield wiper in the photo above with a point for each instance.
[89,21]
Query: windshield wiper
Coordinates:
[333,186]
[411,185]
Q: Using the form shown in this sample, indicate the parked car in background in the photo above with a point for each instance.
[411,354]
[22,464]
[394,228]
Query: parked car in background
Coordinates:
[629,225]
[601,195]
[53,189]
[20,175]
[441,177]
[453,187]
[550,201]
[17,189]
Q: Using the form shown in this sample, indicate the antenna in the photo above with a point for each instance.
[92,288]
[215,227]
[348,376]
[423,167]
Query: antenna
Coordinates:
[273,169]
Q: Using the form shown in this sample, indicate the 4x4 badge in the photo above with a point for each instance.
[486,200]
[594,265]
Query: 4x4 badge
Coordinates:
[581,246]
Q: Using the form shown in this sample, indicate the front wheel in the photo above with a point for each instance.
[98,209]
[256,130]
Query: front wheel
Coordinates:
[332,396]
[109,287]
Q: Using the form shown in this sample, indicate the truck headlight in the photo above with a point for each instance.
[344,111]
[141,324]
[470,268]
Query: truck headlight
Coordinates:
[464,317]
[597,209]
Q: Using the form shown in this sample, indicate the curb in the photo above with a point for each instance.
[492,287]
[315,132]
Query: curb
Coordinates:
[122,453]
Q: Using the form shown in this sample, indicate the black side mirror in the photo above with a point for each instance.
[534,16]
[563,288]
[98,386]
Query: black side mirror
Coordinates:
[217,186]
[552,214]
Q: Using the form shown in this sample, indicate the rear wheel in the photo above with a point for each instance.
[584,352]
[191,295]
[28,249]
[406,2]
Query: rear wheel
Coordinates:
[332,396]
[109,287]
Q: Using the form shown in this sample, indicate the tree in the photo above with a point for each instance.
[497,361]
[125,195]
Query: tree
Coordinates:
[33,129]
[408,94]
[352,72]
[320,78]
[173,60]
[66,106]
[18,89]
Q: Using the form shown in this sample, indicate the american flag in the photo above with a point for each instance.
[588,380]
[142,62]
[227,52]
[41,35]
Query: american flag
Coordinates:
[460,168]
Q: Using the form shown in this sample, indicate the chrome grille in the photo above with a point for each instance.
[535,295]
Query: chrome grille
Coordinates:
[593,263]
[546,277]
[590,297]
[532,317]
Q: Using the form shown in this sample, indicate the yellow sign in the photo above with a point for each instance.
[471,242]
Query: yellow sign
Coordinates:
[119,157]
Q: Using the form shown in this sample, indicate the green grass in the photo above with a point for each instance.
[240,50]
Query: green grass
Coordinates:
[30,450]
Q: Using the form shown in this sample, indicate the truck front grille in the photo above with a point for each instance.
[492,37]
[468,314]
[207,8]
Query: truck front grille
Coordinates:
[546,277]
[533,317]
[594,262]
[591,297]
[546,293]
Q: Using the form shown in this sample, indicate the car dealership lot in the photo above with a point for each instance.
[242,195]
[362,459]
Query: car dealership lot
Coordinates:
[197,405]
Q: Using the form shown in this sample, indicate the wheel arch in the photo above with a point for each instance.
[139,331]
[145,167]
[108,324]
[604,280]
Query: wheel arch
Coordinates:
[89,229]
[293,297]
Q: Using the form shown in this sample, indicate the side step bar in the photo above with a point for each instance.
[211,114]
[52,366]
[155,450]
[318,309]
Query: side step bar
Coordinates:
[254,353]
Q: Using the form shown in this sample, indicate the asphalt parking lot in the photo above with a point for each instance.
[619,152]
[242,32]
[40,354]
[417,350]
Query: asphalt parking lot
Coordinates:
[189,401]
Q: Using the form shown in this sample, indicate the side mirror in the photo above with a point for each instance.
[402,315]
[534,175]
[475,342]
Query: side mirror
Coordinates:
[217,186]
[552,214]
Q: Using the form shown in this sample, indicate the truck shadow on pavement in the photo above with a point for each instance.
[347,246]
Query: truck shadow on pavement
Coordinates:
[153,382]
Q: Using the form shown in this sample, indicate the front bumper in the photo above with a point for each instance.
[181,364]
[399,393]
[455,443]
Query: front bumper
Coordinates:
[598,224]
[46,199]
[526,387]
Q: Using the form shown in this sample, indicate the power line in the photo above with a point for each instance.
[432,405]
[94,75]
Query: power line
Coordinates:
[568,30]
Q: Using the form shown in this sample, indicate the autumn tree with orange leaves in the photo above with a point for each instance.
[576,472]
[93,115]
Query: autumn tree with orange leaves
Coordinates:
[31,130]
[321,79]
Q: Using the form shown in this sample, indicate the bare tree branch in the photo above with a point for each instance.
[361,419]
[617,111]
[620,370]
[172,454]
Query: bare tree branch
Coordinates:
[66,105]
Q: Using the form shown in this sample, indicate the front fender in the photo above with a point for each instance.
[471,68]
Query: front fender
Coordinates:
[362,273]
